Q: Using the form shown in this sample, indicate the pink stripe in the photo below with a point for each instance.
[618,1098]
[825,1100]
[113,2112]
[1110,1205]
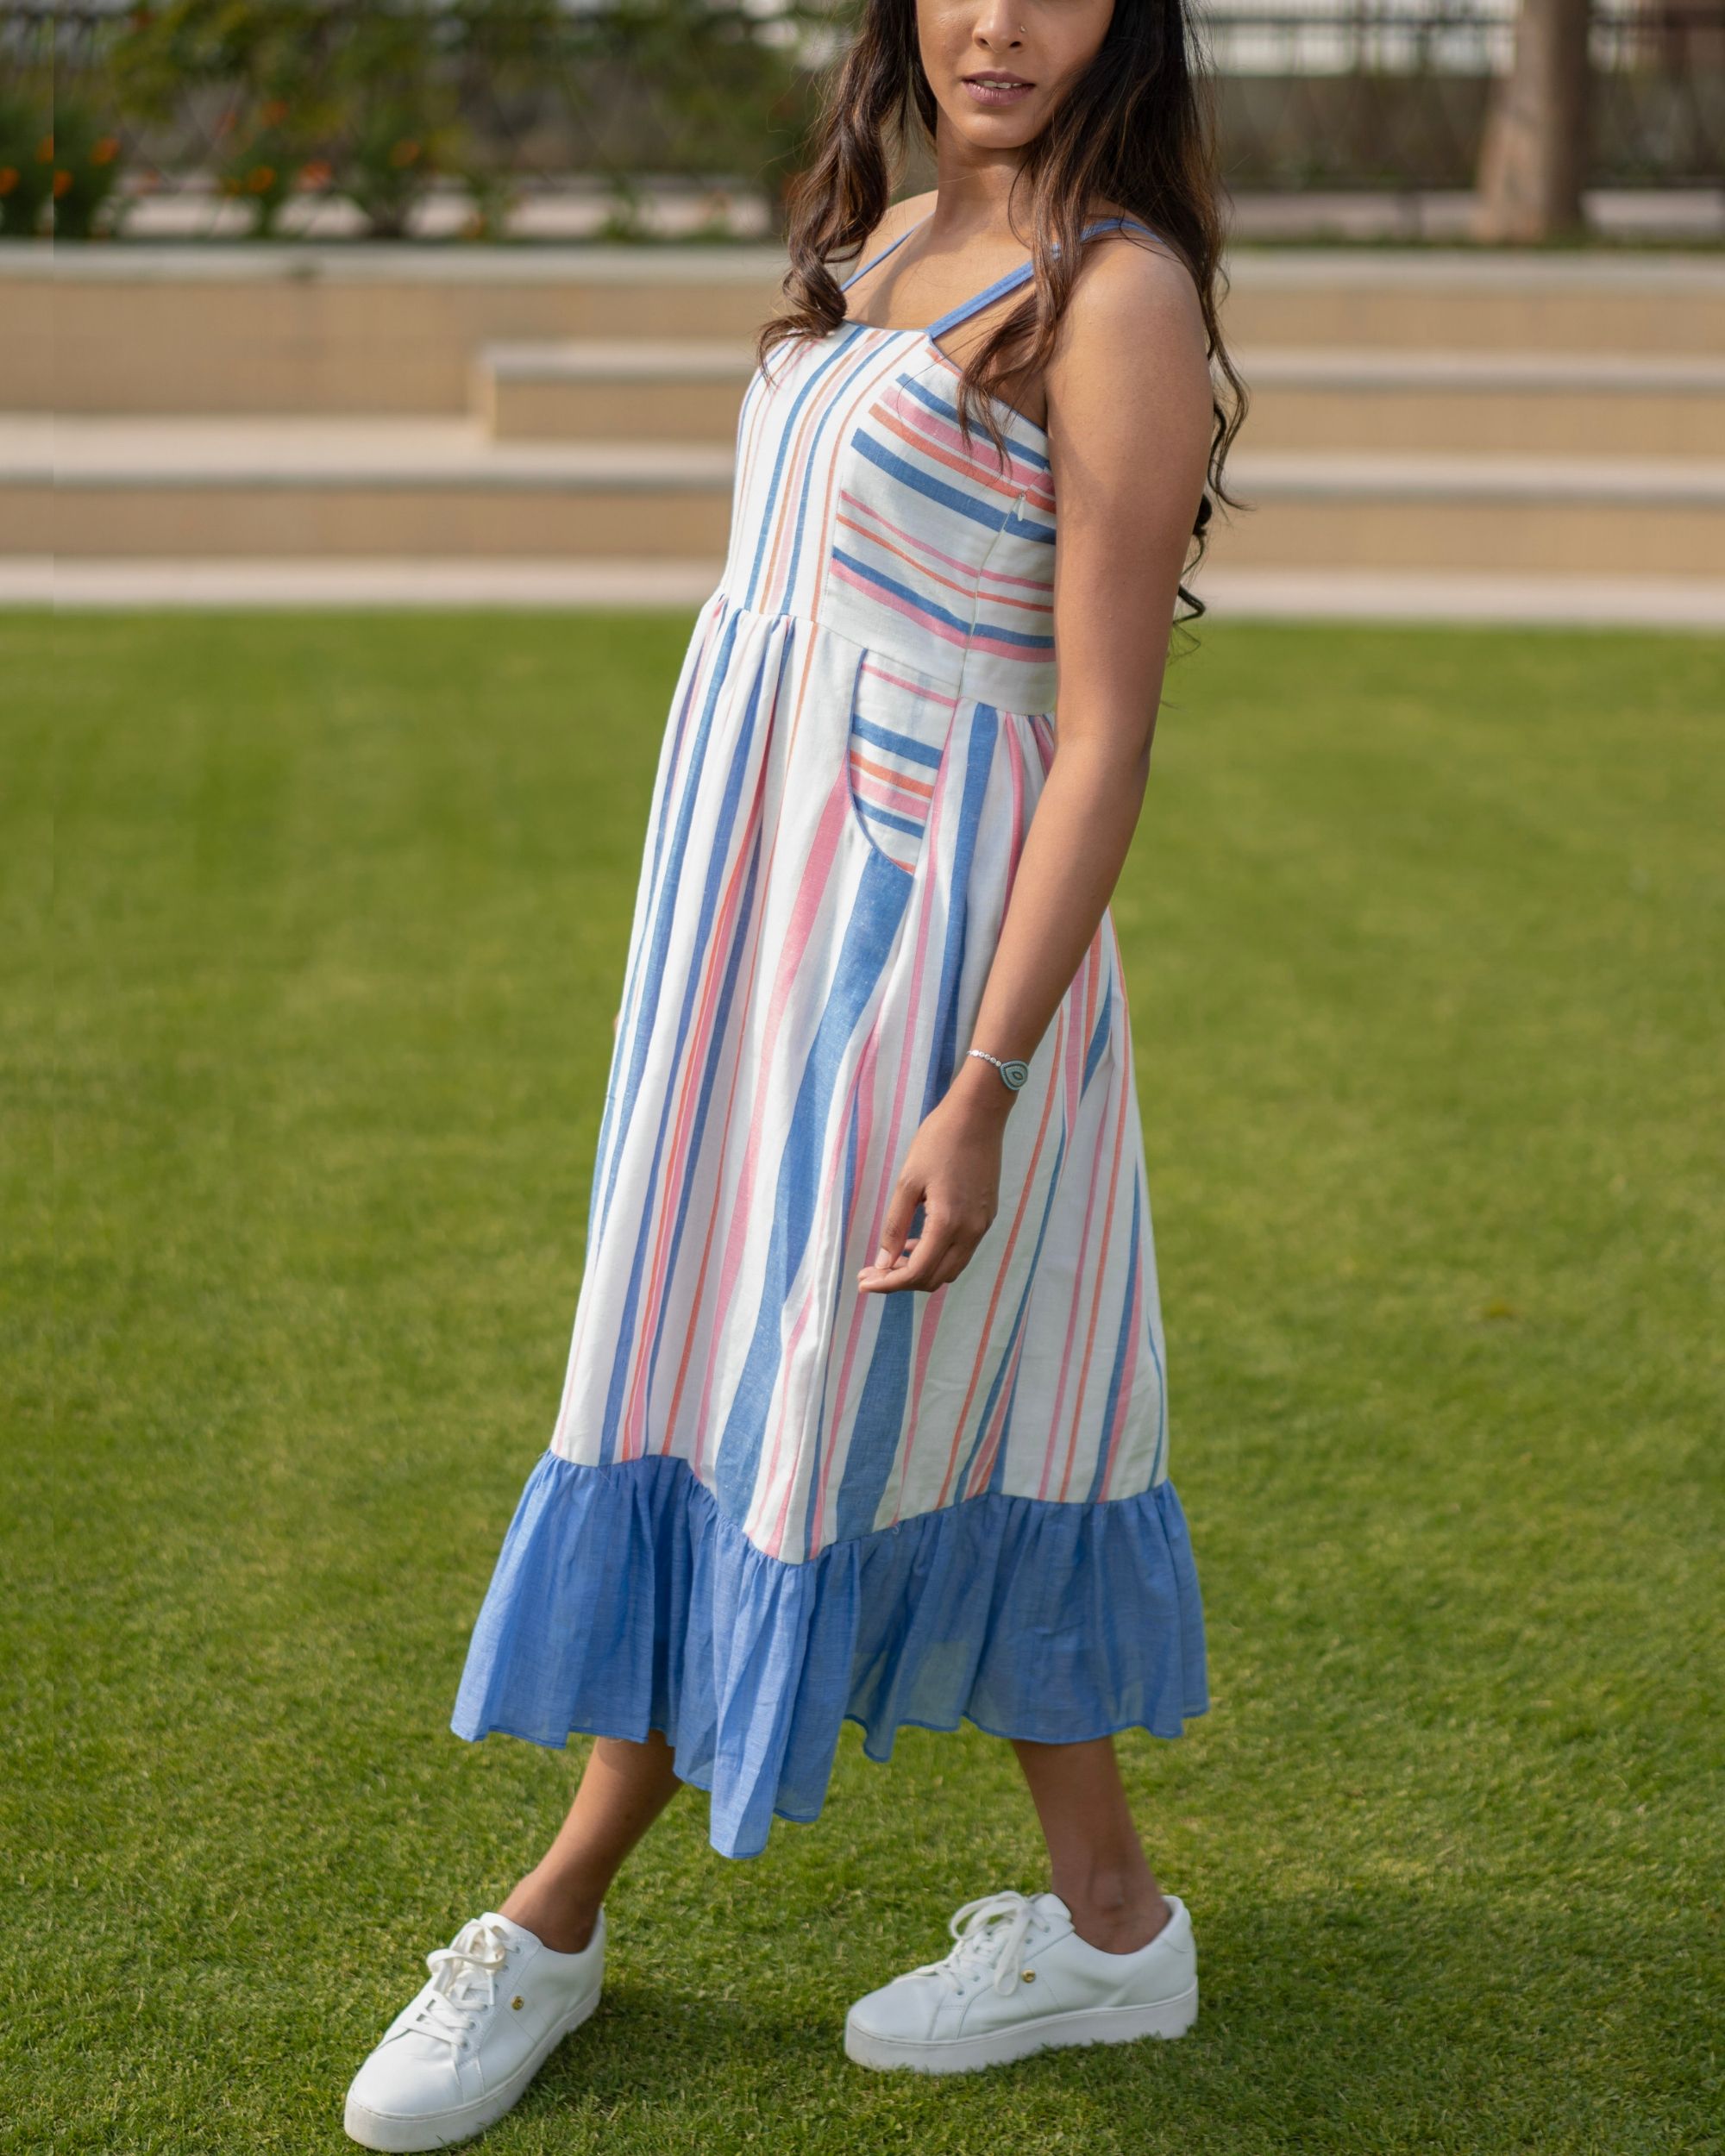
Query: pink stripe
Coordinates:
[980,640]
[836,811]
[1073,1076]
[921,546]
[863,1098]
[995,1299]
[941,442]
[921,943]
[855,385]
[967,589]
[1026,583]
[1128,1374]
[1022,605]
[917,688]
[894,604]
[817,874]
[686,1084]
[875,794]
[1102,1272]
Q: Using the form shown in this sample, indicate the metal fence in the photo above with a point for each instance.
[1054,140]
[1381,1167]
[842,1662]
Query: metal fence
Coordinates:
[381,100]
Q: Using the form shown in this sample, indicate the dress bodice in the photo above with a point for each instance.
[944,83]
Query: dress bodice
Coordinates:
[860,505]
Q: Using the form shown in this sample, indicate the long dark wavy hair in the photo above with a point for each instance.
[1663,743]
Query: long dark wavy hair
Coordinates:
[1134,131]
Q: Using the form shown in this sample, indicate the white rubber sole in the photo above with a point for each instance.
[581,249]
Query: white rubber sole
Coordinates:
[1166,2018]
[399,2136]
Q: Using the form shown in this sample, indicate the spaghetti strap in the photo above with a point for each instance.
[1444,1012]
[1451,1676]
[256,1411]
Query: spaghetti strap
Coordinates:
[1021,275]
[875,260]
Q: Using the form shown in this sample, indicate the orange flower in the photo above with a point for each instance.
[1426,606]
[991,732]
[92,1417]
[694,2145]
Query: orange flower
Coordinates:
[62,184]
[45,150]
[274,113]
[405,153]
[261,179]
[316,175]
[104,150]
[9,179]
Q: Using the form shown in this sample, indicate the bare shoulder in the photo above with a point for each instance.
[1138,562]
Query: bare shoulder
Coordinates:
[1133,292]
[898,221]
[1128,382]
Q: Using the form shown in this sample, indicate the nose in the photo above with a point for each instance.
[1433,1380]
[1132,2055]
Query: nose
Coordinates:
[997,26]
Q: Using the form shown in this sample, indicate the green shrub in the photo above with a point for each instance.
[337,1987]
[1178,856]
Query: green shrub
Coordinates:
[27,163]
[89,158]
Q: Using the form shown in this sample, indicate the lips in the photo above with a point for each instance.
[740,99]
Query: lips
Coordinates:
[995,89]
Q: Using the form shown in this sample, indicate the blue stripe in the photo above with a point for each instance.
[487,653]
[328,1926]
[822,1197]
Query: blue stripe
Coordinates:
[882,894]
[1122,1338]
[926,484]
[902,590]
[716,1052]
[997,1471]
[979,741]
[893,821]
[625,1343]
[937,613]
[880,1420]
[802,397]
[901,744]
[1018,527]
[650,961]
[817,1439]
[1099,1039]
[942,409]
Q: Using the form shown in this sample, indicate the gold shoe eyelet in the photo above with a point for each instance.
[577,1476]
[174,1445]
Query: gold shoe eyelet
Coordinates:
[518,2004]
[1030,1976]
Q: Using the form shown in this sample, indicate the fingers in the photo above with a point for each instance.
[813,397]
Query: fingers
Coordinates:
[901,1210]
[939,1255]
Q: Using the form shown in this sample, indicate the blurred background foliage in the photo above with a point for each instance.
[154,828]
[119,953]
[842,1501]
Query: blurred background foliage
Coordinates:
[380,102]
[377,104]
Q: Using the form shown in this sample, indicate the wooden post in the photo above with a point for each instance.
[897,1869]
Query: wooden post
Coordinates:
[1532,162]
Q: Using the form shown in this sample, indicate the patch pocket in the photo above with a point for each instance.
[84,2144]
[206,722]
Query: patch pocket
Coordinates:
[900,723]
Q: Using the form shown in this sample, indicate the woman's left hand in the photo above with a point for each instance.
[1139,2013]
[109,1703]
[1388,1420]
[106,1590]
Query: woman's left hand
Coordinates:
[953,1171]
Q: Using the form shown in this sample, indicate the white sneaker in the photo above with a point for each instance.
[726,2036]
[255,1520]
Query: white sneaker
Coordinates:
[1021,1980]
[458,2056]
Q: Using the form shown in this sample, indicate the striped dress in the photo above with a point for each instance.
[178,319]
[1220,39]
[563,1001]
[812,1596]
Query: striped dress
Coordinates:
[771,1502]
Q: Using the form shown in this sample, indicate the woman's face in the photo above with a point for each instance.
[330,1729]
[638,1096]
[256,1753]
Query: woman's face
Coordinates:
[998,68]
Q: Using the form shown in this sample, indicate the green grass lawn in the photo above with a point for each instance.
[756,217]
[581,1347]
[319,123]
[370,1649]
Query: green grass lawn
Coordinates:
[1423,932]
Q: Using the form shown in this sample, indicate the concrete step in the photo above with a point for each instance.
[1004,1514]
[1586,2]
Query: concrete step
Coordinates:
[277,487]
[1559,404]
[331,328]
[1542,404]
[614,389]
[1527,515]
[417,488]
[104,585]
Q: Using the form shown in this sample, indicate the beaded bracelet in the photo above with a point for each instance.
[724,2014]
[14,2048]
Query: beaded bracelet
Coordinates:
[1012,1072]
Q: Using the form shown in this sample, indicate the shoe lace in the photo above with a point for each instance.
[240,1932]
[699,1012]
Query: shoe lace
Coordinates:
[990,1932]
[463,1984]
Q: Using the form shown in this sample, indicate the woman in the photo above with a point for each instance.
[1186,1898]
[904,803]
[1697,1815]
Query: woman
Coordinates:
[865,1410]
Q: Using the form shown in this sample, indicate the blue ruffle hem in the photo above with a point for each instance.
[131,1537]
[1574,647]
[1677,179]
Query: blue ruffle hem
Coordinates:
[625,1601]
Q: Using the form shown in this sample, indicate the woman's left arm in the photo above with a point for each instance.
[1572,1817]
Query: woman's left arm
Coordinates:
[1128,423]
